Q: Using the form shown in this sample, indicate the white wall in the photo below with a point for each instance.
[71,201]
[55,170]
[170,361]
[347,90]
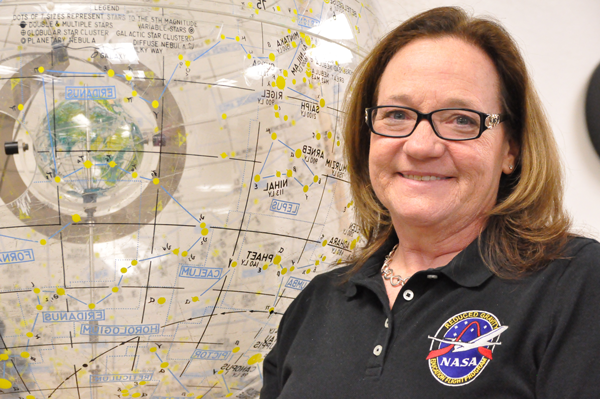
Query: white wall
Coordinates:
[560,41]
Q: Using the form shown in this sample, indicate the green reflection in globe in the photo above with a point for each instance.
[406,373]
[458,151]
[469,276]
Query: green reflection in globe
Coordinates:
[96,144]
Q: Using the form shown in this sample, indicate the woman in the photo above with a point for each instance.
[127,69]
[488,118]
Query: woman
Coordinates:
[470,285]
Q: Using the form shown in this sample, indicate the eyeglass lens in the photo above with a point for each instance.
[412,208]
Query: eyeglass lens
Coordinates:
[450,124]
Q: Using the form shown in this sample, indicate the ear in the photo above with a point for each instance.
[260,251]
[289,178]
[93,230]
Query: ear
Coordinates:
[509,163]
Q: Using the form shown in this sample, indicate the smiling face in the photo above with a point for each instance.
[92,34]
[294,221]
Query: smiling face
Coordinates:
[425,181]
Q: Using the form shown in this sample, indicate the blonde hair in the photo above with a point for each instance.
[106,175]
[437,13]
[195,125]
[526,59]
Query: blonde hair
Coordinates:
[528,227]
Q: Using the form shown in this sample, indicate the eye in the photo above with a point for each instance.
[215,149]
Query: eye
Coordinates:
[400,115]
[394,114]
[464,120]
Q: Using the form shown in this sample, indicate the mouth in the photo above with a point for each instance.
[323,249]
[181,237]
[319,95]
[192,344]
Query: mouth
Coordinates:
[423,177]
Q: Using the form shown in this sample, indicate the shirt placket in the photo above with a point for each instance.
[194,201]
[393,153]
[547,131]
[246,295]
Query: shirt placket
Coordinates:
[386,334]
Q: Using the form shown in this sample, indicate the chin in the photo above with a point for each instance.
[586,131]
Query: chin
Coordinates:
[418,219]
[418,215]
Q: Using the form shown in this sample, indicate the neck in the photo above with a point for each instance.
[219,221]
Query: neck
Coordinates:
[422,248]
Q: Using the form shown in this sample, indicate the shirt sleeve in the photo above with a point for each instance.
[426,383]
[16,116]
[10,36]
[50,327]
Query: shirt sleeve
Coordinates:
[570,367]
[274,367]
[271,387]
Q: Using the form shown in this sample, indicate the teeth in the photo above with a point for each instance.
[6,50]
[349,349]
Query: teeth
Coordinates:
[422,178]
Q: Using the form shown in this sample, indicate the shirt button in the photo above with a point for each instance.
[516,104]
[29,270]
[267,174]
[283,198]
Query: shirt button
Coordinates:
[377,350]
[408,295]
[386,323]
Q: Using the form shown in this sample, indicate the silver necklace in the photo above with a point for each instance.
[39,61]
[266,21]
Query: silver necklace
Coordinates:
[388,274]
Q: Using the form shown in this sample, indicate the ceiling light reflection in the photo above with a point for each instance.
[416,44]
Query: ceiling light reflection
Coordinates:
[330,52]
[334,29]
[260,71]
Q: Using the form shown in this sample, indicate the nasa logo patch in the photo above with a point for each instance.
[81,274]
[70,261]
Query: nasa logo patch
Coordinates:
[463,346]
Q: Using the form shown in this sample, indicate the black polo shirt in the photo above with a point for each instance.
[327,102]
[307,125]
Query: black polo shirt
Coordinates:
[454,332]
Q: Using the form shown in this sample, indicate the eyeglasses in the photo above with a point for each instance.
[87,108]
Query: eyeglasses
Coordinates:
[455,124]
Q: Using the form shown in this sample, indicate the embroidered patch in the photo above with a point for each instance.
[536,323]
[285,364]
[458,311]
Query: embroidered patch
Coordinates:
[463,346]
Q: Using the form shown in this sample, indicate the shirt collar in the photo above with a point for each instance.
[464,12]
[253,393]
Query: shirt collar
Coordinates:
[466,269]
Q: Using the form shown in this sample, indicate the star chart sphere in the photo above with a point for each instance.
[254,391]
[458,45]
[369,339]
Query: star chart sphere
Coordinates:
[172,178]
[99,144]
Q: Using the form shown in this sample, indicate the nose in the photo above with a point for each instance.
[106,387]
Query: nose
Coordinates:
[423,143]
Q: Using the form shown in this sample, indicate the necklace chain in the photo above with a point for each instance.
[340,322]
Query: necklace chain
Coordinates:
[387,272]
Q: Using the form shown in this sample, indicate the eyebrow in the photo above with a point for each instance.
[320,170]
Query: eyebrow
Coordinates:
[448,103]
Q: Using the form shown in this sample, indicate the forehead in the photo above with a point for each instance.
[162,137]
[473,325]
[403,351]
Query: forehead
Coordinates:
[441,72]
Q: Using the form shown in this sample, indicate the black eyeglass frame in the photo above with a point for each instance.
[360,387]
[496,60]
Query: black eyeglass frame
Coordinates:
[487,121]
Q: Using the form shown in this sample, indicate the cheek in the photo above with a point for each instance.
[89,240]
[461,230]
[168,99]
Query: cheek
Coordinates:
[481,167]
[377,164]
[483,158]
[379,157]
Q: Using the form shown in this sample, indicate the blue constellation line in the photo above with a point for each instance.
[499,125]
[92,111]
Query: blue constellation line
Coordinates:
[259,373]
[78,73]
[301,185]
[285,145]
[225,382]
[266,159]
[36,383]
[297,92]
[126,171]
[49,129]
[154,257]
[64,227]
[104,298]
[321,15]
[145,178]
[304,267]
[194,244]
[155,389]
[278,289]
[16,238]
[359,11]
[177,379]
[305,8]
[307,166]
[216,44]
[214,284]
[34,322]
[76,299]
[64,177]
[167,85]
[294,57]
[182,207]
[268,177]
[249,46]
[148,101]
